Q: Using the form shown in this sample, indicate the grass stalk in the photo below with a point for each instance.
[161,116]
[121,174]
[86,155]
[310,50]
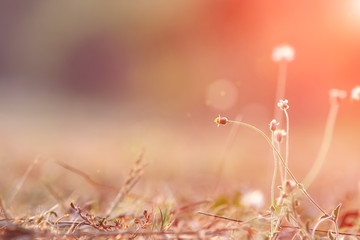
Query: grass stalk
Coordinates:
[280,89]
[287,143]
[273,184]
[22,181]
[325,146]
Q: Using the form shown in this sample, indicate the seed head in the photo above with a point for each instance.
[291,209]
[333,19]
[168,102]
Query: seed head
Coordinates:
[221,120]
[273,125]
[283,104]
[355,93]
[283,53]
[280,135]
[337,94]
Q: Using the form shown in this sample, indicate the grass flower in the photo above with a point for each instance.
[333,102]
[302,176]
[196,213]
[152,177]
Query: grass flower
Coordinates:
[355,93]
[279,135]
[273,125]
[283,53]
[254,199]
[289,185]
[337,94]
[221,120]
[299,185]
[283,104]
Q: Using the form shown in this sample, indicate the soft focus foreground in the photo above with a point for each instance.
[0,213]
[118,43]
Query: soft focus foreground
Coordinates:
[86,87]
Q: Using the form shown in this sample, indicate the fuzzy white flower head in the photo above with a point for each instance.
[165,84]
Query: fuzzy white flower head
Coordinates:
[337,94]
[273,125]
[283,104]
[355,93]
[283,53]
[254,199]
[279,135]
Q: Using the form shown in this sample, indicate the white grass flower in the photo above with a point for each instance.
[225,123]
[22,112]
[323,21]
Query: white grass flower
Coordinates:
[355,93]
[283,53]
[254,199]
[273,125]
[337,94]
[283,104]
[279,135]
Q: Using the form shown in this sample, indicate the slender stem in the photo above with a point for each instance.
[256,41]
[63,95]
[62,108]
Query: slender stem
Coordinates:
[22,181]
[330,218]
[228,144]
[278,146]
[300,186]
[287,143]
[273,147]
[277,225]
[280,90]
[273,185]
[337,230]
[325,146]
[274,174]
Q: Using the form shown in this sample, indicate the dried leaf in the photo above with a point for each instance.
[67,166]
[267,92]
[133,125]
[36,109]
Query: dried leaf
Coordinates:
[335,213]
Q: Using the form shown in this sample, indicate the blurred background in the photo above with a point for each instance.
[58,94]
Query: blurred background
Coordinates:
[92,83]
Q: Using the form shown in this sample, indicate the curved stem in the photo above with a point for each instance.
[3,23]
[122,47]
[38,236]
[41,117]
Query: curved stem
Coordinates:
[317,225]
[324,148]
[330,218]
[300,186]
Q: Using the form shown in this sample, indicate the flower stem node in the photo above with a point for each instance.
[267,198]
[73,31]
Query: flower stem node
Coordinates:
[221,120]
[283,104]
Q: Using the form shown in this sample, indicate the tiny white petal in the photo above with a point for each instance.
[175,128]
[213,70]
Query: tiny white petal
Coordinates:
[355,93]
[283,53]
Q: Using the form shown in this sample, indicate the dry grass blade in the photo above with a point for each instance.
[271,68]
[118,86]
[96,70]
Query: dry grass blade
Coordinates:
[134,176]
[221,217]
[56,196]
[189,206]
[22,181]
[159,235]
[86,177]
[281,227]
[3,209]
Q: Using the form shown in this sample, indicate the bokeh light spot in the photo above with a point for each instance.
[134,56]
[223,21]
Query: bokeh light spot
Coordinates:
[221,94]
